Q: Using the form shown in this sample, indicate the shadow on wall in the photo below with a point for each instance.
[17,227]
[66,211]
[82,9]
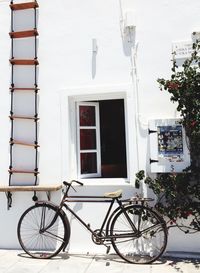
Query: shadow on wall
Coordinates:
[94,57]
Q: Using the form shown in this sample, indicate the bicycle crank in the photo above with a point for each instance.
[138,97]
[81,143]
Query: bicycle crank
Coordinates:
[98,237]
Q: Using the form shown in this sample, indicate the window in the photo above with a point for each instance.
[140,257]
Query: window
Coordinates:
[89,159]
[101,141]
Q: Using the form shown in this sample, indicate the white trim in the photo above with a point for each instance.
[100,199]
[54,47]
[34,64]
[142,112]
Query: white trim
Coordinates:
[98,145]
[81,93]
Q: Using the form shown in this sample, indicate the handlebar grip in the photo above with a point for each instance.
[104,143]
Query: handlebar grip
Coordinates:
[78,182]
[66,183]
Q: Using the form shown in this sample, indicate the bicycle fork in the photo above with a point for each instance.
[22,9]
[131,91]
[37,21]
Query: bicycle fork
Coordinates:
[42,223]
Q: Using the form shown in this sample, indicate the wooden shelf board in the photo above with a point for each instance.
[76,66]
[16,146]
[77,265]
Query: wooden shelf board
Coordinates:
[53,187]
[21,6]
[23,34]
[24,61]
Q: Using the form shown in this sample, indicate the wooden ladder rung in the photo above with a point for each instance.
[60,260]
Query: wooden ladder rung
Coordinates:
[24,61]
[24,143]
[23,117]
[23,171]
[24,89]
[20,6]
[23,34]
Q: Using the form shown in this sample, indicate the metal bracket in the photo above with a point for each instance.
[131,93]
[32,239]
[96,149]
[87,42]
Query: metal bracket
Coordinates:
[153,161]
[9,199]
[152,131]
[48,193]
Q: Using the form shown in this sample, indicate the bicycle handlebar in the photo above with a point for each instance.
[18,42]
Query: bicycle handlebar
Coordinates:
[67,184]
[78,182]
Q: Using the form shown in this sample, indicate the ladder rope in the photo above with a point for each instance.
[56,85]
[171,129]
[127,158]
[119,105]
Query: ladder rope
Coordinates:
[35,89]
[11,98]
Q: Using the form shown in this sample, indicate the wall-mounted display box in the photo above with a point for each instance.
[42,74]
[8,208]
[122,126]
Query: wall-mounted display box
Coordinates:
[169,146]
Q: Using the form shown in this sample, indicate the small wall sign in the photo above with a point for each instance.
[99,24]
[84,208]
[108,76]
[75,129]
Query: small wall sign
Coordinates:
[182,49]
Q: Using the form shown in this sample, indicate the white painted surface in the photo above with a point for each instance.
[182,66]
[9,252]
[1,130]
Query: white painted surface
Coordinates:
[70,70]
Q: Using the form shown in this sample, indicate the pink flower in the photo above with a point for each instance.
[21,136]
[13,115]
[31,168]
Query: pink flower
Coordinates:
[172,86]
[193,123]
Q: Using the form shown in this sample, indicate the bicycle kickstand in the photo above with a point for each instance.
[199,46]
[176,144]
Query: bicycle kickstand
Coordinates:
[108,249]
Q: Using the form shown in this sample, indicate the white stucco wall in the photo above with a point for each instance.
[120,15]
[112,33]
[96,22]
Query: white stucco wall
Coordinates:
[69,70]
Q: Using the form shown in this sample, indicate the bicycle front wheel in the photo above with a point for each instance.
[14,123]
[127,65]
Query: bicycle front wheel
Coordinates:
[35,239]
[138,234]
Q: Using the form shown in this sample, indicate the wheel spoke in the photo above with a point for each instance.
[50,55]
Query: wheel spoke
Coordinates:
[34,239]
[144,245]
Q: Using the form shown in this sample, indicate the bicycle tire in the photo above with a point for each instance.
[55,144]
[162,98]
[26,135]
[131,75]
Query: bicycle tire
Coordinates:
[47,244]
[146,241]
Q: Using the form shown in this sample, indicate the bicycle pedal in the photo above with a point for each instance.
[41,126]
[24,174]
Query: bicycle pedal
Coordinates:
[108,249]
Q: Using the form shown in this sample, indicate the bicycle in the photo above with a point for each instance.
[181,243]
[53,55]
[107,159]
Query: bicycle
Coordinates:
[137,233]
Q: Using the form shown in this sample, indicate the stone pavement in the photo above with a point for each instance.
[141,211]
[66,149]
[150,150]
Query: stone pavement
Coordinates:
[15,261]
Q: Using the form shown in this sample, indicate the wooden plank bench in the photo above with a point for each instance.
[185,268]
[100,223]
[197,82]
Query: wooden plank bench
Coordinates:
[38,188]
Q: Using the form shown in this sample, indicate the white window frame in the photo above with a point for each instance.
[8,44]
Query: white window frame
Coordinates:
[98,144]
[68,99]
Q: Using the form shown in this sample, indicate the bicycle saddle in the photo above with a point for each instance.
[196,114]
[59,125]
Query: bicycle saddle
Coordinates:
[114,194]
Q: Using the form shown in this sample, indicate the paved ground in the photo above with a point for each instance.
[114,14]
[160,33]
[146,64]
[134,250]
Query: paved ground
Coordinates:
[12,261]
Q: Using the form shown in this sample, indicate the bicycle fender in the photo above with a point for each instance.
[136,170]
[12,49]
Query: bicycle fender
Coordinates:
[51,204]
[40,202]
[68,234]
[112,216]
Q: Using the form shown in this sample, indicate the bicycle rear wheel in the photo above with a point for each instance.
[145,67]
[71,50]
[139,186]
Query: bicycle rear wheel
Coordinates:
[34,239]
[140,234]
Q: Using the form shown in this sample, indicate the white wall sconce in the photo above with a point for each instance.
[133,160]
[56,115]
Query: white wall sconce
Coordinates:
[129,22]
[128,26]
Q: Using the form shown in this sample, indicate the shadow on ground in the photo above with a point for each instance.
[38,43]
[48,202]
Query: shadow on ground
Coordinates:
[176,262]
[96,257]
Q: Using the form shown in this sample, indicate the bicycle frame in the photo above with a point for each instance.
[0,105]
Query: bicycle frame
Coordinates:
[108,216]
[106,221]
[87,226]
